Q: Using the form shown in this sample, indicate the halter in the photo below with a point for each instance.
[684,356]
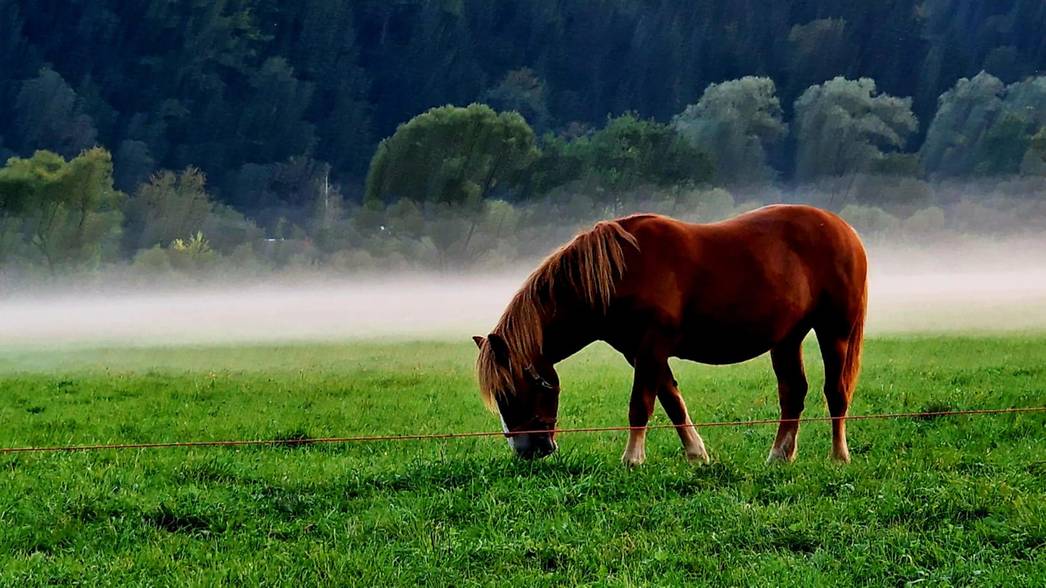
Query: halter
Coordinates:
[537,377]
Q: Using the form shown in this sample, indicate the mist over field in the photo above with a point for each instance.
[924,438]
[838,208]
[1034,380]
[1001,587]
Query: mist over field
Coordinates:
[976,285]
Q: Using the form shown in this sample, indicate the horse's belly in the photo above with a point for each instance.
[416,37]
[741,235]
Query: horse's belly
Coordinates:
[709,341]
[723,352]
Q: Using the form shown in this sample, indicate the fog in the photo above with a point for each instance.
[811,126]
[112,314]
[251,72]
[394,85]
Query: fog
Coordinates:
[995,285]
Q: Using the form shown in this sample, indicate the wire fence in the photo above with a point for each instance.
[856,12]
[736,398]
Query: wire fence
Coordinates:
[467,435]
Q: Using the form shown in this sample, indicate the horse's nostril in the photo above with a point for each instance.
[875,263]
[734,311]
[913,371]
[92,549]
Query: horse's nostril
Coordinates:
[547,448]
[533,446]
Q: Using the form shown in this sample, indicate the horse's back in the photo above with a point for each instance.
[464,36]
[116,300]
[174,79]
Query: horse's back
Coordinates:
[733,289]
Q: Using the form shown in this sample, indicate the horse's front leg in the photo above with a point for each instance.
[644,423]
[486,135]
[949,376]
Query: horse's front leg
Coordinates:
[672,401]
[640,407]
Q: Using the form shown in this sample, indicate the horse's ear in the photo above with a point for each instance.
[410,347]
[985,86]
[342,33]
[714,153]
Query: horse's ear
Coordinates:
[499,348]
[479,341]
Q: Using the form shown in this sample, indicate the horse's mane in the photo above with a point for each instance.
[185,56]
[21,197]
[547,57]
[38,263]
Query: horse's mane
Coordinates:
[589,266]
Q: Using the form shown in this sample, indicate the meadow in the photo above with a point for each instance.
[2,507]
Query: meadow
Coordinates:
[942,501]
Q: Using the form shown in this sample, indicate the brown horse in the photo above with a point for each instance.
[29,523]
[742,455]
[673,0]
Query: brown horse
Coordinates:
[653,287]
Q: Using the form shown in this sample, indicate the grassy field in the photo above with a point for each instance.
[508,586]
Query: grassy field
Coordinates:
[942,501]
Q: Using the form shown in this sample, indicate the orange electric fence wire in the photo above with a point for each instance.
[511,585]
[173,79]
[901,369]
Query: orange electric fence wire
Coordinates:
[433,436]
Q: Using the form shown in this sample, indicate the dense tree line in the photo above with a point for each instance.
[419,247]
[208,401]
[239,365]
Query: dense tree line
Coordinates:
[264,96]
[440,188]
[179,135]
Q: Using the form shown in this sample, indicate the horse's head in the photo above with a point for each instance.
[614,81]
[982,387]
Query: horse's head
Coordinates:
[525,394]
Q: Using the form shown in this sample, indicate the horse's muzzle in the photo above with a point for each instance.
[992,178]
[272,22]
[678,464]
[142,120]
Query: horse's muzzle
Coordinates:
[533,446]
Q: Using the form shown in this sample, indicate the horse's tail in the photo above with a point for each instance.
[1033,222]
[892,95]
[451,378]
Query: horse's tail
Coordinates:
[854,343]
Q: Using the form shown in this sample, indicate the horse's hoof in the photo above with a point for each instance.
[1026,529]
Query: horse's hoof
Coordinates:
[632,461]
[778,456]
[698,458]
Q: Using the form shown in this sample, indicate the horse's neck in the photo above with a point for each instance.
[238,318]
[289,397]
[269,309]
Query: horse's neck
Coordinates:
[565,334]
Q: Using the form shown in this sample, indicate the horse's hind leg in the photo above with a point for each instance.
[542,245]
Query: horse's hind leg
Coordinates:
[839,378]
[672,402]
[787,359]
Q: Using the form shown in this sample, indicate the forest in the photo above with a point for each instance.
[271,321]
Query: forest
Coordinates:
[196,136]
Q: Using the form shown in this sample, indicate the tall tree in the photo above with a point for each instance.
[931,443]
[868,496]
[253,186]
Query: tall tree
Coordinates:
[522,91]
[630,152]
[272,126]
[70,208]
[735,121]
[964,115]
[983,127]
[169,206]
[844,126]
[49,115]
[452,155]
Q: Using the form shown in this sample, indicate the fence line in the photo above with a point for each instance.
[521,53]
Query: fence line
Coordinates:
[436,436]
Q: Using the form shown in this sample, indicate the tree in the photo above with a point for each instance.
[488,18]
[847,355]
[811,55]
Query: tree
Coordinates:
[452,155]
[173,206]
[70,209]
[286,191]
[985,128]
[522,91]
[561,162]
[964,115]
[818,50]
[134,164]
[735,121]
[1027,99]
[630,152]
[1038,144]
[169,206]
[49,115]
[322,40]
[272,125]
[844,126]
[1002,149]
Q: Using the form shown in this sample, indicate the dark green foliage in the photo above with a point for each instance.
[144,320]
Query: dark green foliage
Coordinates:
[223,85]
[736,121]
[523,92]
[451,155]
[170,206]
[280,106]
[282,192]
[984,127]
[626,154]
[1004,145]
[561,162]
[631,152]
[1038,144]
[174,206]
[48,114]
[845,126]
[67,211]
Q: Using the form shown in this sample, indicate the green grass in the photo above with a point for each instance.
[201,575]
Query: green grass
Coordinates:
[945,501]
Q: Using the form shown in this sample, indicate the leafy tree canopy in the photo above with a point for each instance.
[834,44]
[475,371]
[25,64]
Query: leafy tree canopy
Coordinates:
[843,126]
[452,155]
[736,121]
[69,212]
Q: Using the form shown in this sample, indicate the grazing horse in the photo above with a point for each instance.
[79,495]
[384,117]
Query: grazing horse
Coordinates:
[653,287]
